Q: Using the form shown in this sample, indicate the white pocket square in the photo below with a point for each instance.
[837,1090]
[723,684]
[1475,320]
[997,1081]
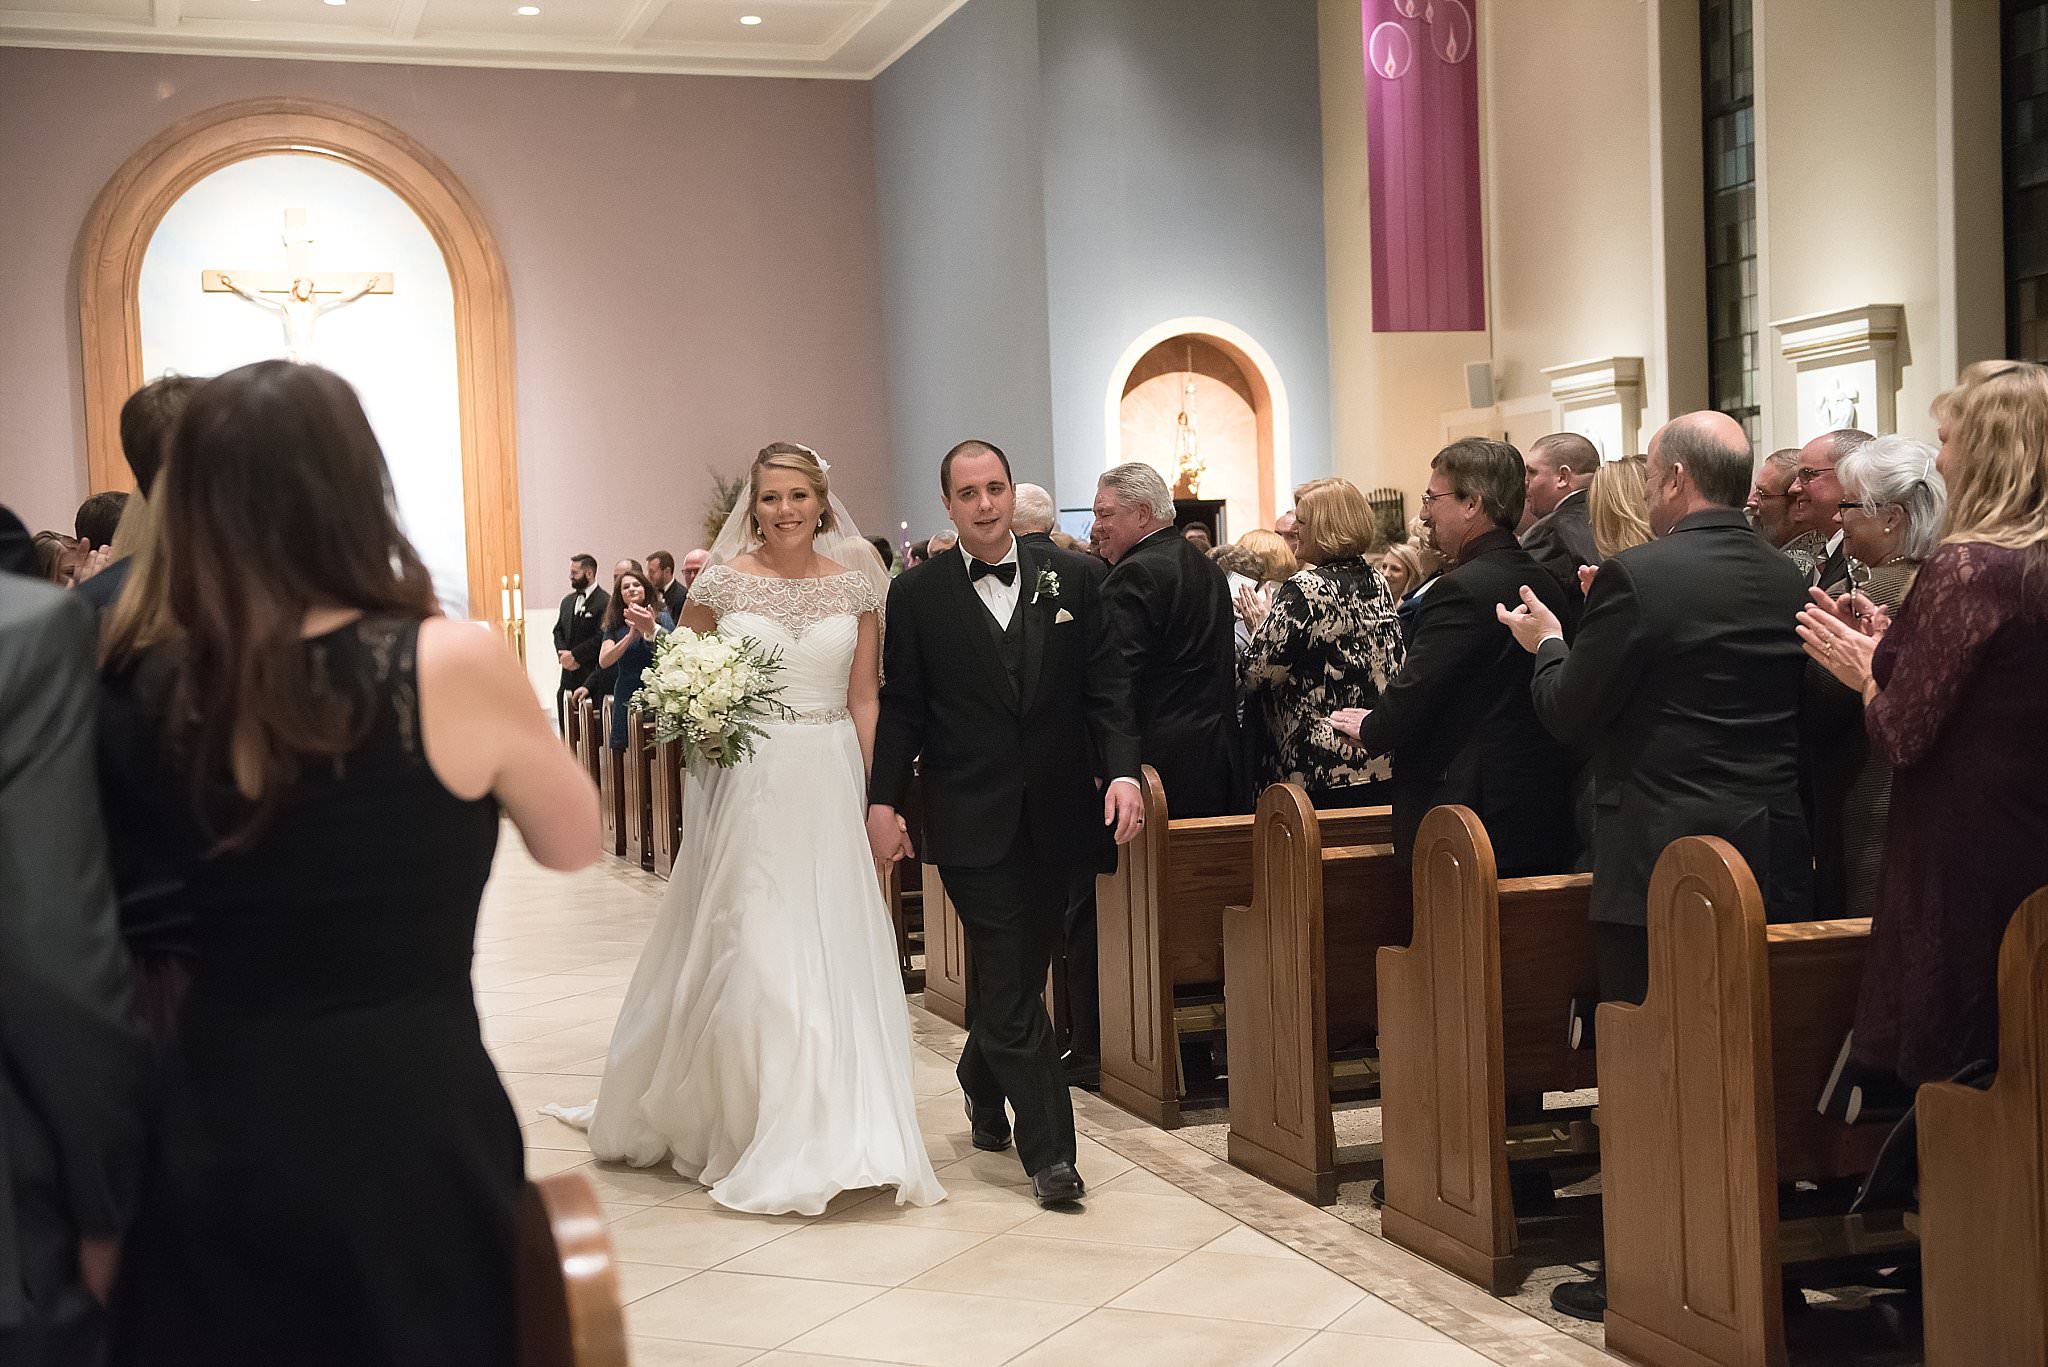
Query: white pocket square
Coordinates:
[1062,616]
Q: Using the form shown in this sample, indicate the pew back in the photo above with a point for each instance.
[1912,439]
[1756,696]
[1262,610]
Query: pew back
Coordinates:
[1472,1012]
[611,781]
[1984,1177]
[666,804]
[1696,1086]
[638,781]
[568,1289]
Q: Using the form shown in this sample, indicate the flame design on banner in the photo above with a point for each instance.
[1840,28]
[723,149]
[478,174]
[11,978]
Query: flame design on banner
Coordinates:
[1422,163]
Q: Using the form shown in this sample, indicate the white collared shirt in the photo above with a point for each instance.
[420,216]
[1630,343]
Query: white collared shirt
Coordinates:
[999,598]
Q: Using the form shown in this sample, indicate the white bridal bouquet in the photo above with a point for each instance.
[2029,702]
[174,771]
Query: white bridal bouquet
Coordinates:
[711,693]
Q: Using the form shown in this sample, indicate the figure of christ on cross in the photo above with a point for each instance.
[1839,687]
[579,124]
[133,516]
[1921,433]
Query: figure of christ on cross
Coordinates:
[299,285]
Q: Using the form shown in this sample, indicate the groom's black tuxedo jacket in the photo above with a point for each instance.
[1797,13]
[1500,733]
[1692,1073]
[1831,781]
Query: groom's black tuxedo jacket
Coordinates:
[998,757]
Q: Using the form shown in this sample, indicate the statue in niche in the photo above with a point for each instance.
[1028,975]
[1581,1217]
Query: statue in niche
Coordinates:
[1837,405]
[299,288]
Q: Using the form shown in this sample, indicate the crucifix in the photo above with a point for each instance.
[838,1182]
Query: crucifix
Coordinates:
[299,286]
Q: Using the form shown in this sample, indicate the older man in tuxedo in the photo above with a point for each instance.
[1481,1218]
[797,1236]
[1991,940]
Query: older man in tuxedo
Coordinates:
[1556,473]
[1169,613]
[1458,719]
[71,1132]
[1684,681]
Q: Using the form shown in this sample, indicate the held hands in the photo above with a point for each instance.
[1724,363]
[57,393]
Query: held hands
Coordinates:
[567,657]
[1836,643]
[888,835]
[1854,610]
[1346,722]
[1530,622]
[640,618]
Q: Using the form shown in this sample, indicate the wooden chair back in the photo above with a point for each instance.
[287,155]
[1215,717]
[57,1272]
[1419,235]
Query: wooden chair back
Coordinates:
[567,1285]
[1984,1178]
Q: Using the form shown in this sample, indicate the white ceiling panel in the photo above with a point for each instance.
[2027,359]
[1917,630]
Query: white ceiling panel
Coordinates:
[847,39]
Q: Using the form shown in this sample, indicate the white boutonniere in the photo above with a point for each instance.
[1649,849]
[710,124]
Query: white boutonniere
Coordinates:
[1048,586]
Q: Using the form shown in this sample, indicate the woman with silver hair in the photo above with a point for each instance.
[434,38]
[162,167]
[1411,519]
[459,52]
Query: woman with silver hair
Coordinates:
[1894,504]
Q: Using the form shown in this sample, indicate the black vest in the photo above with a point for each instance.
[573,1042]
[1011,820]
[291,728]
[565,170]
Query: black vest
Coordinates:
[1009,644]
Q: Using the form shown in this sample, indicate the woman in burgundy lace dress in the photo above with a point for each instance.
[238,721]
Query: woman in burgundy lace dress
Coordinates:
[1956,699]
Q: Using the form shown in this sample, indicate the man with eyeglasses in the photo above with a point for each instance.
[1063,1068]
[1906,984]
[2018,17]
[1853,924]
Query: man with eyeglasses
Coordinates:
[1818,501]
[1771,505]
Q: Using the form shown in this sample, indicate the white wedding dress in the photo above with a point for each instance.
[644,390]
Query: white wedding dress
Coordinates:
[764,1045]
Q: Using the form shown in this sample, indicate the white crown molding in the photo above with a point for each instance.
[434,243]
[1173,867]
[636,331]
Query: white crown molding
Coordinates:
[1841,333]
[1606,378]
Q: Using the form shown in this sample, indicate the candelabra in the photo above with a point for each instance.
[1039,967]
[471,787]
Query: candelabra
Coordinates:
[512,612]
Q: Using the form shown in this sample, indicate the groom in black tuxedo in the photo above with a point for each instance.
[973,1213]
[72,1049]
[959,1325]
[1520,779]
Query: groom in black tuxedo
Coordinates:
[999,672]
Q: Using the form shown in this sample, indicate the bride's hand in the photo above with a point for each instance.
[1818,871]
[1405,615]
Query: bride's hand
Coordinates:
[888,835]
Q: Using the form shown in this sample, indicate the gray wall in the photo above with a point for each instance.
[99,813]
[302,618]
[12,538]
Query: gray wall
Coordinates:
[963,250]
[1183,177]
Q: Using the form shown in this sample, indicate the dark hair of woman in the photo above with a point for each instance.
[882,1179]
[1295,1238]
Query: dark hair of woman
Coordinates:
[615,611]
[275,501]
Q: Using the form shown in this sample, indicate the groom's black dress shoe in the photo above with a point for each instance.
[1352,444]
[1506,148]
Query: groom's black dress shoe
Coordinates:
[990,1133]
[1058,1185]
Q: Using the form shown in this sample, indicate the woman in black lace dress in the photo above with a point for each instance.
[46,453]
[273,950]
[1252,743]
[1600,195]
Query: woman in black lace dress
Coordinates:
[337,1165]
[1330,641]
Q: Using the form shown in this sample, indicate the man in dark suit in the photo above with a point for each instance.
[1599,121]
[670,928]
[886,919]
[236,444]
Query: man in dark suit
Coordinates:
[71,1133]
[999,674]
[579,624]
[1556,472]
[1817,503]
[661,572]
[1458,719]
[1169,611]
[1683,680]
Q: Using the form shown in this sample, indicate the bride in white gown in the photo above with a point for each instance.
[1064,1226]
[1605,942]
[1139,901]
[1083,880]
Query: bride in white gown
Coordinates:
[764,1045]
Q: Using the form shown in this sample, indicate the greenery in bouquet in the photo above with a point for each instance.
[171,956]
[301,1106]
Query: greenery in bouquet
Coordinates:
[711,693]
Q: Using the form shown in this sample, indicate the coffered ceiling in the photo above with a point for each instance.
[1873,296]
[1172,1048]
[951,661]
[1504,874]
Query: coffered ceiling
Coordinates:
[849,39]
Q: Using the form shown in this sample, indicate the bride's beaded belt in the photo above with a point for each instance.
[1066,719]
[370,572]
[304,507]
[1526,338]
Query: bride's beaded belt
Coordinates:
[825,718]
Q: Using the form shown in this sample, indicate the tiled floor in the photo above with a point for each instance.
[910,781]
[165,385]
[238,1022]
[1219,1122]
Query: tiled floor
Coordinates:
[1165,1264]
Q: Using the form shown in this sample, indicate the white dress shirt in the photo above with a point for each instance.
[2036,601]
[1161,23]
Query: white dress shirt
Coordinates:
[999,598]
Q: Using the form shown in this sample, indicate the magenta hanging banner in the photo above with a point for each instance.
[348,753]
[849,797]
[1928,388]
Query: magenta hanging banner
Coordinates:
[1422,155]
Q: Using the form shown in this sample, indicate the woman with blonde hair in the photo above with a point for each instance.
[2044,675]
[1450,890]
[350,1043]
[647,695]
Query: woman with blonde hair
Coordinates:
[1329,641]
[1618,503]
[1953,701]
[1270,547]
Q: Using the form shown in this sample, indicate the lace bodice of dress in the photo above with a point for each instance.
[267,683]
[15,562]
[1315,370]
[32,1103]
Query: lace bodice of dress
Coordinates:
[813,622]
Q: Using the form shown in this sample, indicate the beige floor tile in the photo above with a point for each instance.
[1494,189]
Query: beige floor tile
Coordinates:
[544,1055]
[1001,1169]
[548,1162]
[638,1186]
[937,1329]
[693,1238]
[974,1207]
[550,1133]
[1375,1317]
[1251,1242]
[1138,1180]
[644,1279]
[1235,1286]
[748,1312]
[531,1091]
[591,1069]
[848,1251]
[1130,1338]
[652,1352]
[1097,1164]
[1349,1350]
[1124,1217]
[782,1357]
[517,1029]
[1063,1270]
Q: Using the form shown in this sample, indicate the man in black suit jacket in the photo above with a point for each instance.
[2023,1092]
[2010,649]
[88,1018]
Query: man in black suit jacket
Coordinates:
[1684,680]
[1458,719]
[579,624]
[1817,502]
[661,572]
[1556,472]
[1169,611]
[71,1133]
[999,675]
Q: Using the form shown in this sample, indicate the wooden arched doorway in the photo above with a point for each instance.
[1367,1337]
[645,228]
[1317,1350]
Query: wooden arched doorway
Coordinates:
[134,201]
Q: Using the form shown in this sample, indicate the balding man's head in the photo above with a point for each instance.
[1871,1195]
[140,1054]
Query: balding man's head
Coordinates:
[1556,467]
[1035,512]
[1697,461]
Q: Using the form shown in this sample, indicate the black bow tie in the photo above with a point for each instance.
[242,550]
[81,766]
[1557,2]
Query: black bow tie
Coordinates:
[1007,571]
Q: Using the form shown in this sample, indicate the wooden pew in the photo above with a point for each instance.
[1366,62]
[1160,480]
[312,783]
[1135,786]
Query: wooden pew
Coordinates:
[1159,925]
[1984,1178]
[1298,974]
[568,1290]
[1472,1012]
[637,781]
[569,722]
[611,781]
[945,952]
[665,806]
[590,749]
[1707,1105]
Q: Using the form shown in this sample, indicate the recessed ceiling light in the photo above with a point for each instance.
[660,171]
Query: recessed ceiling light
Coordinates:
[750,19]
[528,10]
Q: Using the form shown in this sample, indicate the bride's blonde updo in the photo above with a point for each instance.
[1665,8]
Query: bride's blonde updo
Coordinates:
[789,455]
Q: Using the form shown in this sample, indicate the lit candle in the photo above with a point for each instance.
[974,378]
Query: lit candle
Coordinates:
[518,601]
[505,598]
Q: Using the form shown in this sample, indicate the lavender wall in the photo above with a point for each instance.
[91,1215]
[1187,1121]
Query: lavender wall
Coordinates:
[693,260]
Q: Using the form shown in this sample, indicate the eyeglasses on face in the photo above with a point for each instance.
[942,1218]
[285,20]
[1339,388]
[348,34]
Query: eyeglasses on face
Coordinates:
[1429,498]
[1806,474]
[1769,498]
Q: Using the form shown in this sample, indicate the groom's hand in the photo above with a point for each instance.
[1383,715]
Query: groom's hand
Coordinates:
[888,835]
[1123,808]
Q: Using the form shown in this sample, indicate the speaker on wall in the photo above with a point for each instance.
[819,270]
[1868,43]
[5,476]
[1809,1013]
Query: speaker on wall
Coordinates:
[1479,384]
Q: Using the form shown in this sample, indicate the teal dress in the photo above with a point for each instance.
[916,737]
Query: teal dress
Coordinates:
[628,669]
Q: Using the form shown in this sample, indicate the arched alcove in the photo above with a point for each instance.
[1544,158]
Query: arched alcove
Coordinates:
[1240,403]
[133,203]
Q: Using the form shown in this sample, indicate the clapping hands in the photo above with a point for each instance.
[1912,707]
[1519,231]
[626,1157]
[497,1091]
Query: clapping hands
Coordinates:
[1841,635]
[1253,603]
[640,618]
[1531,623]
